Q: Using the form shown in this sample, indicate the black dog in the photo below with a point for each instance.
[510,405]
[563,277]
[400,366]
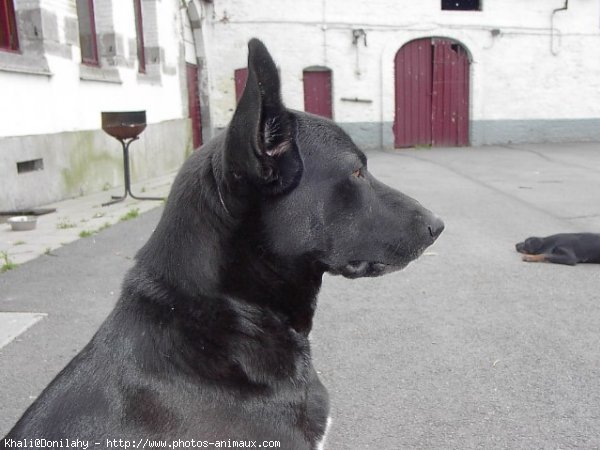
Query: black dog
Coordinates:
[565,248]
[209,339]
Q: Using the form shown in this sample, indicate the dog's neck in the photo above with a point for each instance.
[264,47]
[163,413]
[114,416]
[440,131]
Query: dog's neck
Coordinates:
[205,245]
[287,286]
[224,339]
[288,289]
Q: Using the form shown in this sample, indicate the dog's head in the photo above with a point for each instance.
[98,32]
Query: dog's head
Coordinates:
[531,245]
[310,183]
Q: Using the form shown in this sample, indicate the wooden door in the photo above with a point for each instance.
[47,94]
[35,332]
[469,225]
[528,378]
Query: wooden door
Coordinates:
[194,104]
[317,92]
[450,95]
[432,94]
[413,73]
[240,76]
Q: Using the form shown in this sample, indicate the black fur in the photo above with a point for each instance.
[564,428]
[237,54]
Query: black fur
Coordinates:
[564,248]
[209,339]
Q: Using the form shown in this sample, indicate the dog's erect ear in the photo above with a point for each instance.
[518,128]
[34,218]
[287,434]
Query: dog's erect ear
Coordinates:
[259,145]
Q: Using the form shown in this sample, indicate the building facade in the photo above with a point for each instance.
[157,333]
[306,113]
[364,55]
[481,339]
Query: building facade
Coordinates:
[63,62]
[402,73]
[392,73]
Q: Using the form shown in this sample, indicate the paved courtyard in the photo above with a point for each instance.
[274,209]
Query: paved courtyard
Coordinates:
[469,347]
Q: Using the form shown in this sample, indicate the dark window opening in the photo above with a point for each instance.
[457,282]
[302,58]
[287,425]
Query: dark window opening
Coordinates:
[8,26]
[461,5]
[30,166]
[139,29]
[87,32]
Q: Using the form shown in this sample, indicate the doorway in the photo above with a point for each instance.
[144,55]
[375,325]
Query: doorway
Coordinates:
[317,91]
[432,94]
[194,104]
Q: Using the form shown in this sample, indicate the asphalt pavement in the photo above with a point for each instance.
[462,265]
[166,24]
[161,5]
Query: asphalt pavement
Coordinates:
[468,347]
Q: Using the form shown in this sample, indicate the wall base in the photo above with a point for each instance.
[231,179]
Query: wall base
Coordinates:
[488,132]
[369,135]
[81,162]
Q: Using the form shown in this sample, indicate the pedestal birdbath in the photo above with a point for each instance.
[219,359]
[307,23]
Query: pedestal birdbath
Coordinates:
[126,127]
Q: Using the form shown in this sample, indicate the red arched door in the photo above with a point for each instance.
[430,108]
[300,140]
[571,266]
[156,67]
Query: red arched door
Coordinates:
[432,94]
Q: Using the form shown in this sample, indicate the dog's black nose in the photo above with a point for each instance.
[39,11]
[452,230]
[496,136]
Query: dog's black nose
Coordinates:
[436,227]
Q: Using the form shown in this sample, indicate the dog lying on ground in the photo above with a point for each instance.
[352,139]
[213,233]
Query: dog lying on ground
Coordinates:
[565,248]
[209,339]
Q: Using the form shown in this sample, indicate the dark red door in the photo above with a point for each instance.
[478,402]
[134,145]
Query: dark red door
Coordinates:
[432,94]
[450,94]
[412,124]
[240,76]
[194,104]
[317,92]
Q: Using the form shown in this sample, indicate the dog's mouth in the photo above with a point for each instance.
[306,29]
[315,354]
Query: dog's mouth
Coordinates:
[358,269]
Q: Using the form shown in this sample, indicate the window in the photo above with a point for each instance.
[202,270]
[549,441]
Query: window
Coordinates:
[8,26]
[87,32]
[461,5]
[139,29]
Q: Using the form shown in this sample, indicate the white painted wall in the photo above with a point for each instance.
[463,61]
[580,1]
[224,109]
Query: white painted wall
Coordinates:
[37,104]
[52,111]
[521,74]
[514,76]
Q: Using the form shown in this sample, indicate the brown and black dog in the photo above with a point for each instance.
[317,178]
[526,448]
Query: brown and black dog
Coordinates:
[565,248]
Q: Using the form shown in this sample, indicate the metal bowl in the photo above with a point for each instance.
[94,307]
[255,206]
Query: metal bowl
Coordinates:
[22,223]
[124,124]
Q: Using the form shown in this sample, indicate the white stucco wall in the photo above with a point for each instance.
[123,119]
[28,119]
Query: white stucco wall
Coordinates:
[522,74]
[51,103]
[529,82]
[62,101]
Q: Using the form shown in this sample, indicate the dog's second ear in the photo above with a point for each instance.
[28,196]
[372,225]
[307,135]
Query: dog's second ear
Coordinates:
[259,145]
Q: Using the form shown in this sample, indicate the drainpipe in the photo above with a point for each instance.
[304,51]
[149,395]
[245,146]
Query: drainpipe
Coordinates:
[324,30]
[554,11]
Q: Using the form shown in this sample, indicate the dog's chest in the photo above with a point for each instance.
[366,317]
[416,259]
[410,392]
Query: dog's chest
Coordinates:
[297,417]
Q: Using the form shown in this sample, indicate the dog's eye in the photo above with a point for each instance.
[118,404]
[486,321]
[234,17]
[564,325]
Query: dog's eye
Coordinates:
[358,173]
